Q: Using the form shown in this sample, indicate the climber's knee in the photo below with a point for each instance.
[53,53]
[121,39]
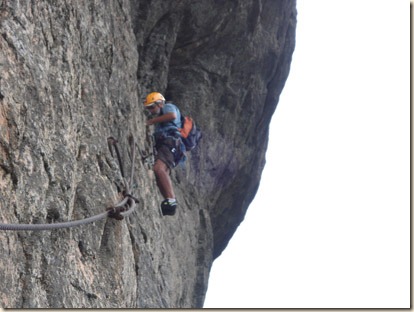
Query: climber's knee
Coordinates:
[160,168]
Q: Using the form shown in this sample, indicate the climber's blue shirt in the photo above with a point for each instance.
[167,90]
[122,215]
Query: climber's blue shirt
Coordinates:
[170,129]
[171,126]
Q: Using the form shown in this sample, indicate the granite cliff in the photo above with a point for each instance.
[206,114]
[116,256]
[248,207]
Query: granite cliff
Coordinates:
[72,74]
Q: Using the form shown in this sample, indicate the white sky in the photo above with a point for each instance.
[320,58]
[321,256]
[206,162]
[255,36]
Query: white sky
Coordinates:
[330,224]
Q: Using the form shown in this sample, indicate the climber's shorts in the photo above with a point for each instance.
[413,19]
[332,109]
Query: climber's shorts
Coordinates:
[169,151]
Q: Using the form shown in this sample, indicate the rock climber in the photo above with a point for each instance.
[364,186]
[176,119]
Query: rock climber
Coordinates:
[166,118]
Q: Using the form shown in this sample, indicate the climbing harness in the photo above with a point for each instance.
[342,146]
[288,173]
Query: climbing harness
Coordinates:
[120,210]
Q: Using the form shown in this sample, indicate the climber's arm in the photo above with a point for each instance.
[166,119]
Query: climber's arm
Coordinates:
[163,118]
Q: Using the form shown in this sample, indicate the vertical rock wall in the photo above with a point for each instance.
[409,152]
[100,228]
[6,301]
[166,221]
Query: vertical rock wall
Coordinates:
[73,73]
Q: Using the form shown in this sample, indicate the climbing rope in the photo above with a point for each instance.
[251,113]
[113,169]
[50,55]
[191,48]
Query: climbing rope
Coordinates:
[120,210]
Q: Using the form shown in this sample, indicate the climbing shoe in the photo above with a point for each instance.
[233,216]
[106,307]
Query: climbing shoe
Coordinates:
[168,207]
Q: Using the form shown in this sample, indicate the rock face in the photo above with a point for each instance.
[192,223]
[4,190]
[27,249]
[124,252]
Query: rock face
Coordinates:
[73,73]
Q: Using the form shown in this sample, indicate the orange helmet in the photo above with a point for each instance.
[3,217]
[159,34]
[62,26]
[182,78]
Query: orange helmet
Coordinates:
[153,97]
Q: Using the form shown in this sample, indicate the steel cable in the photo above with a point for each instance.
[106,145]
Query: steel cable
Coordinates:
[52,226]
[120,210]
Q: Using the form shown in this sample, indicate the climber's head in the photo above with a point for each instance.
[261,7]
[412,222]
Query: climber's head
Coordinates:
[154,101]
